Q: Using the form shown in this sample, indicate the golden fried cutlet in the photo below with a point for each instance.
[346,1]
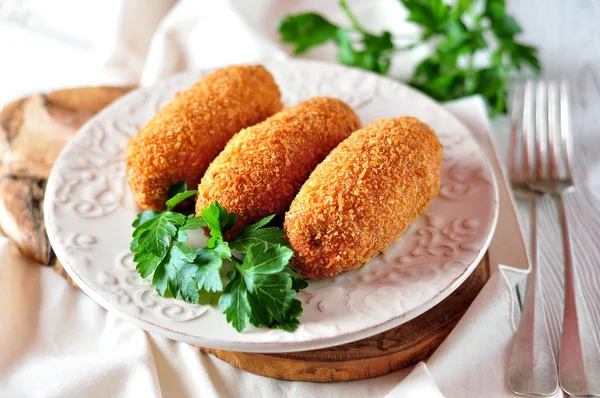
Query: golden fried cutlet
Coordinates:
[262,168]
[363,196]
[183,138]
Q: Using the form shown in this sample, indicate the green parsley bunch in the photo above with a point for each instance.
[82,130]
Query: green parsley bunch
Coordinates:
[261,286]
[458,31]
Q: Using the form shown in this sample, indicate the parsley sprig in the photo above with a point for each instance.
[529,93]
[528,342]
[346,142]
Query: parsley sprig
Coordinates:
[457,34]
[261,287]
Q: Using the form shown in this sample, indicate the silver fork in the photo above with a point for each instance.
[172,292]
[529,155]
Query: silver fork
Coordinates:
[579,362]
[532,368]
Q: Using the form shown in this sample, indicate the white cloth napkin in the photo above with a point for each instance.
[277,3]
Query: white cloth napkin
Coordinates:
[54,341]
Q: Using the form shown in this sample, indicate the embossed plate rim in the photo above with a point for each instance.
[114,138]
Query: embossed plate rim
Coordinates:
[310,342]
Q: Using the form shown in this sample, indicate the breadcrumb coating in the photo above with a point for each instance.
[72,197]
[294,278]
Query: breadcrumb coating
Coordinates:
[363,196]
[183,138]
[262,168]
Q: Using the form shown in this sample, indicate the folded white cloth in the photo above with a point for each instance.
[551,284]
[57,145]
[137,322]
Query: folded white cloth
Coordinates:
[418,383]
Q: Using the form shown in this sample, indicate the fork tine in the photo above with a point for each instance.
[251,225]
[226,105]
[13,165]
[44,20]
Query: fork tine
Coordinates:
[541,131]
[528,131]
[565,126]
[553,130]
[515,133]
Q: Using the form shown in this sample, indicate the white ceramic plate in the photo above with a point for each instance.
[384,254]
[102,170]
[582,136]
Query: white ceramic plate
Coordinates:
[89,210]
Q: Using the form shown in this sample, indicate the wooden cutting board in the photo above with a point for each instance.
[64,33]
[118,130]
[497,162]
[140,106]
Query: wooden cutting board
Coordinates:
[33,131]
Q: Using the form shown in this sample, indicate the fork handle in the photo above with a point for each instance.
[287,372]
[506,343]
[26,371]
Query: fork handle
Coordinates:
[532,368]
[579,365]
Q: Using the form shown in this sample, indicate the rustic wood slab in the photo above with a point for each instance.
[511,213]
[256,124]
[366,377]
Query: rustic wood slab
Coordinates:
[32,133]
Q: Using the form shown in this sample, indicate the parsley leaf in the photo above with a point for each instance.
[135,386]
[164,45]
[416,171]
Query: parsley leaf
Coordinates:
[306,30]
[376,55]
[178,267]
[209,263]
[265,259]
[270,299]
[264,286]
[218,221]
[252,234]
[158,231]
[234,302]
[144,216]
[193,223]
[178,198]
[141,219]
[178,193]
[290,322]
[146,263]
